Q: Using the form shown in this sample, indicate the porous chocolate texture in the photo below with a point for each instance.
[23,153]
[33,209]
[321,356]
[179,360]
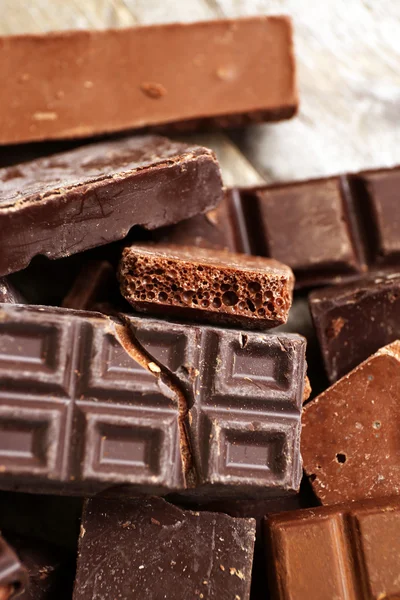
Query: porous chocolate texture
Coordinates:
[69,202]
[13,575]
[207,285]
[90,402]
[152,549]
[349,551]
[350,432]
[354,320]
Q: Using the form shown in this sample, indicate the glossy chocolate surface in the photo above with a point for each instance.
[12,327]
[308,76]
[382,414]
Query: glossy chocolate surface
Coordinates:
[89,402]
[350,435]
[88,197]
[150,549]
[349,551]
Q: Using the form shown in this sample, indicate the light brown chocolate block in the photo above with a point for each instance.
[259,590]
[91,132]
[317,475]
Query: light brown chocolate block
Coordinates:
[350,437]
[206,284]
[83,83]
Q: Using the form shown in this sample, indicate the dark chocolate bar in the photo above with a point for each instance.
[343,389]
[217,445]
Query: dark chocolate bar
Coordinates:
[354,320]
[327,230]
[350,434]
[66,203]
[152,549]
[13,576]
[206,285]
[350,551]
[89,402]
[115,91]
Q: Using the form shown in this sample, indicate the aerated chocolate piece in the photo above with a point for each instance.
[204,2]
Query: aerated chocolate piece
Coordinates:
[350,551]
[350,433]
[207,285]
[8,293]
[114,91]
[88,402]
[88,197]
[13,576]
[354,320]
[152,549]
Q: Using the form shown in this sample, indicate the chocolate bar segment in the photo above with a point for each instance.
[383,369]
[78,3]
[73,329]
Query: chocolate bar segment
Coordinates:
[13,576]
[66,203]
[150,548]
[350,551]
[89,402]
[354,320]
[350,432]
[114,91]
[207,285]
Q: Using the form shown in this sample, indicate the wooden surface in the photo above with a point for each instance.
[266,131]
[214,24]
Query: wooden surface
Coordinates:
[348,64]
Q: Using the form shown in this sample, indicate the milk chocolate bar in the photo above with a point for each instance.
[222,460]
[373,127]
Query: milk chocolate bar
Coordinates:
[327,230]
[206,285]
[69,202]
[354,320]
[349,551]
[151,548]
[13,576]
[90,402]
[350,434]
[127,78]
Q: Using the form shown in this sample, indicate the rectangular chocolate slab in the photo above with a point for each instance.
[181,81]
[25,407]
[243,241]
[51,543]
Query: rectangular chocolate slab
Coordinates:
[69,202]
[152,549]
[88,402]
[349,551]
[327,230]
[83,83]
[206,285]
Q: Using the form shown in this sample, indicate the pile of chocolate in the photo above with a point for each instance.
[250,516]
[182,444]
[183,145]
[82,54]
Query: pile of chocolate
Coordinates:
[154,386]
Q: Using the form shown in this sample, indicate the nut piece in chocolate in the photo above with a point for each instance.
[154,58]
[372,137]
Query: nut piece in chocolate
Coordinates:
[151,549]
[350,435]
[206,284]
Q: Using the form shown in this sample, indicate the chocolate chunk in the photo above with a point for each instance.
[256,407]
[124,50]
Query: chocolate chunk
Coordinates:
[351,551]
[350,433]
[150,548]
[207,285]
[89,402]
[13,576]
[220,82]
[8,293]
[88,197]
[354,320]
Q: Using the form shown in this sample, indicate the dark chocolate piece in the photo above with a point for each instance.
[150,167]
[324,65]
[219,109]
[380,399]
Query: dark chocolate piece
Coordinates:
[114,91]
[13,576]
[8,293]
[207,285]
[350,436]
[93,195]
[152,549]
[327,230]
[354,320]
[350,551]
[89,402]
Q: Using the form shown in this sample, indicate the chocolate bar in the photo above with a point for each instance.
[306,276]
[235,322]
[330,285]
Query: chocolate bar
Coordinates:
[89,402]
[327,230]
[150,548]
[349,551]
[354,320]
[48,76]
[207,285]
[13,576]
[66,203]
[349,440]
[8,293]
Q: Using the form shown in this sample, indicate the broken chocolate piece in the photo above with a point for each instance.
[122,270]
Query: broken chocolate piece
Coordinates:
[207,285]
[349,551]
[354,320]
[150,548]
[114,91]
[13,576]
[66,203]
[349,440]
